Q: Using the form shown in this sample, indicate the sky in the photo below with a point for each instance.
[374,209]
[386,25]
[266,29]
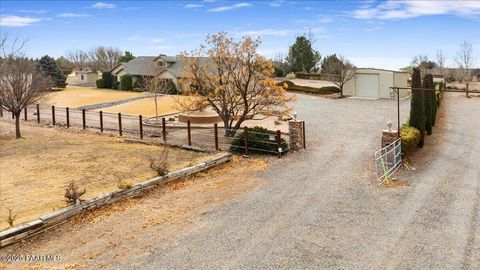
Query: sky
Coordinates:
[379,34]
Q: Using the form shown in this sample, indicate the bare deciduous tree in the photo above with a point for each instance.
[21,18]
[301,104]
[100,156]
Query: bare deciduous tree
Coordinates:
[21,84]
[78,58]
[441,61]
[339,72]
[465,62]
[156,86]
[234,80]
[11,46]
[423,63]
[103,58]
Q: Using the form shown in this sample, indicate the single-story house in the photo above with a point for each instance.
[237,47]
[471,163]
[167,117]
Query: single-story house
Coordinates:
[83,77]
[376,83]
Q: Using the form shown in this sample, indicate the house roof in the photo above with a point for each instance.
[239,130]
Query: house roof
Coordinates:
[85,72]
[380,69]
[140,65]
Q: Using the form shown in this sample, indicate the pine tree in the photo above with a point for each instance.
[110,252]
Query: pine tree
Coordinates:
[50,68]
[417,107]
[428,96]
[127,57]
[301,55]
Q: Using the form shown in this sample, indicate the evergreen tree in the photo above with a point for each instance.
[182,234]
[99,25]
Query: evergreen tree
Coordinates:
[428,99]
[330,60]
[127,57]
[107,79]
[301,55]
[417,107]
[50,68]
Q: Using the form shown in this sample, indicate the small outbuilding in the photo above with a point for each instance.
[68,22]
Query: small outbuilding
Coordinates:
[376,83]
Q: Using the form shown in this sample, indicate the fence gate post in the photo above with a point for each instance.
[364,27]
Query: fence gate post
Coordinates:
[245,141]
[38,113]
[53,115]
[26,117]
[304,137]
[120,124]
[101,121]
[141,126]
[67,111]
[164,129]
[215,129]
[279,149]
[189,133]
[296,130]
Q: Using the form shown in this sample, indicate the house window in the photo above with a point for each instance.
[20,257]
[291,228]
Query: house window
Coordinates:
[81,77]
[160,64]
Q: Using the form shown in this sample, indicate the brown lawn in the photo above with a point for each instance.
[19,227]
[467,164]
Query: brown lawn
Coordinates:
[146,107]
[77,96]
[35,170]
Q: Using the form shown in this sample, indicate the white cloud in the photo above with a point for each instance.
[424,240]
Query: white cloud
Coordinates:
[157,40]
[397,10]
[17,21]
[277,3]
[101,5]
[324,19]
[73,15]
[34,11]
[277,32]
[193,6]
[133,38]
[372,29]
[393,63]
[226,8]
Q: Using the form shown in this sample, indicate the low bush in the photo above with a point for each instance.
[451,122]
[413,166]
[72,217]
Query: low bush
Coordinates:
[11,218]
[309,76]
[126,82]
[290,76]
[73,193]
[115,84]
[311,90]
[410,137]
[160,163]
[100,83]
[259,141]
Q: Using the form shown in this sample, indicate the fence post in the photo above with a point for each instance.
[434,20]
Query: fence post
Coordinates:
[164,129]
[189,133]
[245,141]
[277,138]
[304,138]
[38,113]
[67,111]
[26,117]
[215,129]
[120,124]
[101,121]
[141,126]
[53,115]
[1,111]
[84,121]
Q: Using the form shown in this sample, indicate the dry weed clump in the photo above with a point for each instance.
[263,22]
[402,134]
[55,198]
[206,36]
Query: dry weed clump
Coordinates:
[73,193]
[160,163]
[11,217]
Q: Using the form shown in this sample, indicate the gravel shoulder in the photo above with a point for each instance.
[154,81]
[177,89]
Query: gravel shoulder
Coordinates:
[320,208]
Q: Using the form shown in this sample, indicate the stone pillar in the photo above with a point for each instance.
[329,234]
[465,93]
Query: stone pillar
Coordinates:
[295,129]
[388,137]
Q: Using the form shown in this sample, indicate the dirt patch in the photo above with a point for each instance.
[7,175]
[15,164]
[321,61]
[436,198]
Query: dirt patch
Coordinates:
[35,170]
[78,96]
[130,229]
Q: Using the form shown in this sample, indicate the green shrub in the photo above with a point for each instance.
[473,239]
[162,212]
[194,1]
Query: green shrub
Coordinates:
[279,72]
[107,79]
[429,99]
[100,83]
[115,84]
[309,76]
[312,90]
[410,138]
[126,82]
[258,142]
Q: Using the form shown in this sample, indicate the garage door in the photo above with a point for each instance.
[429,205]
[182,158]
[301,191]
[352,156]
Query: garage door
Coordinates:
[367,85]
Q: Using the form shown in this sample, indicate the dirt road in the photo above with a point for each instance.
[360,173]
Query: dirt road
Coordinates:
[318,208]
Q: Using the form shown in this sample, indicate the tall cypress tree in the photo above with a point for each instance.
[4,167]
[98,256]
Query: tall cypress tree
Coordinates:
[434,102]
[50,68]
[417,107]
[428,98]
[108,79]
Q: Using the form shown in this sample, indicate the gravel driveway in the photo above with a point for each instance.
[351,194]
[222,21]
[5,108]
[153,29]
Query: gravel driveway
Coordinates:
[319,208]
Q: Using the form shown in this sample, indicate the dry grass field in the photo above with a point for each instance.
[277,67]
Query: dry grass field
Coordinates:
[146,107]
[77,96]
[35,170]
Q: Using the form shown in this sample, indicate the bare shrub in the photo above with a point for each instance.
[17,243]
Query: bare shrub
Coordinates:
[11,217]
[73,193]
[160,163]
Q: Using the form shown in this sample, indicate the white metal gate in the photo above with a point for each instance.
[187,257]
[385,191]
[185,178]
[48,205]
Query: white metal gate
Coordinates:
[388,160]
